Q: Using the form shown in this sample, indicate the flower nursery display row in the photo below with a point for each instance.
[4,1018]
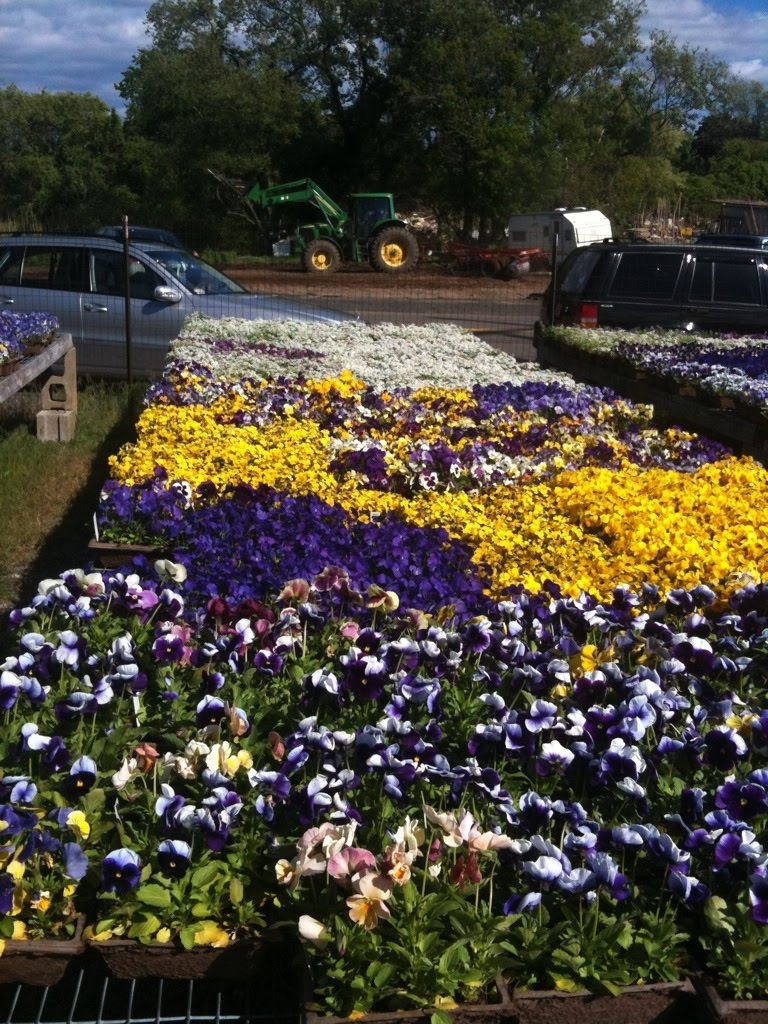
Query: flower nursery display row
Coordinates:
[722,367]
[565,792]
[455,672]
[714,385]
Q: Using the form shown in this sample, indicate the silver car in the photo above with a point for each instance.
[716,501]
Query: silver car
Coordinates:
[82,281]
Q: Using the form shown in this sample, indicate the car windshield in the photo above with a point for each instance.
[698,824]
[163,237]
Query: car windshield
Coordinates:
[195,274]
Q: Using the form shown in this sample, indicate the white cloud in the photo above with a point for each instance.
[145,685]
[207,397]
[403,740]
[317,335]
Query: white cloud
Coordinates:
[58,45]
[734,33]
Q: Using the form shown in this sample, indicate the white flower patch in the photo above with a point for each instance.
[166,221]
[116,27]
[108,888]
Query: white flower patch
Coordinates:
[382,355]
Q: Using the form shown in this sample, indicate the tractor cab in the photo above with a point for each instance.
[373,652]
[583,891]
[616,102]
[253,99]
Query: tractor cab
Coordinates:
[367,211]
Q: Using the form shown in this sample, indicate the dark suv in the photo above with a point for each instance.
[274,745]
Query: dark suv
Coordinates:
[740,241]
[695,288]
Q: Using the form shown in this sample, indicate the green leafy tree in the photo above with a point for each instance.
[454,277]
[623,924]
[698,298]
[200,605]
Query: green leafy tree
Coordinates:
[740,171]
[59,159]
[470,110]
[197,106]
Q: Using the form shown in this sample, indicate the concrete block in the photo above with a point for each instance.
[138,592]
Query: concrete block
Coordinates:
[67,424]
[56,425]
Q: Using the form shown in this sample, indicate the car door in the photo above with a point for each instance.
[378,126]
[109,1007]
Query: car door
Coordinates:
[645,290]
[45,279]
[153,323]
[727,292]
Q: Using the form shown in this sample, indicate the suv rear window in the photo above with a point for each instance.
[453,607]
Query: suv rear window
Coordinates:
[646,275]
[576,275]
[720,279]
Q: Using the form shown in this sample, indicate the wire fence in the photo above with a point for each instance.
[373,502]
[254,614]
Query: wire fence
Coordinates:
[104,292]
[503,311]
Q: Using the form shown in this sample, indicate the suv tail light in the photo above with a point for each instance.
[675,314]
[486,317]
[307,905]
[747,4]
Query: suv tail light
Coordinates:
[587,315]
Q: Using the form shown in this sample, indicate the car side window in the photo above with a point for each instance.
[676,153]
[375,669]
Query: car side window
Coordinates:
[641,275]
[726,279]
[10,265]
[59,267]
[108,275]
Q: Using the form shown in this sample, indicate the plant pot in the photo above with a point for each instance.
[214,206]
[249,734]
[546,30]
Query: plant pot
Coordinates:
[127,959]
[638,1004]
[717,1010]
[470,1013]
[467,1013]
[661,1003]
[9,366]
[111,555]
[39,962]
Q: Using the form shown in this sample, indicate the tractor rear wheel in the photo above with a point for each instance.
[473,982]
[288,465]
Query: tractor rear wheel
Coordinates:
[394,250]
[321,257]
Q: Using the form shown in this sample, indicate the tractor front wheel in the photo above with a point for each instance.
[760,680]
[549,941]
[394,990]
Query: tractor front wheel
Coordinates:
[321,257]
[394,250]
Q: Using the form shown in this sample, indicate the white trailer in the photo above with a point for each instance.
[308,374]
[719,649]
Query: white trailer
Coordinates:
[577,226]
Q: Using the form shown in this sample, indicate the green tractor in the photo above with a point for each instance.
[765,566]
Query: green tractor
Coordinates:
[369,232]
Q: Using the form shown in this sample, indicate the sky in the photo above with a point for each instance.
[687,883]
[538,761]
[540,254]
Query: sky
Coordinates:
[86,45]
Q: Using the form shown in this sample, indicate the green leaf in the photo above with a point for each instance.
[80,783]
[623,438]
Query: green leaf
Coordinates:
[153,895]
[235,891]
[205,875]
[440,1017]
[714,912]
[382,975]
[144,929]
[624,937]
[615,990]
[187,936]
[563,984]
[93,801]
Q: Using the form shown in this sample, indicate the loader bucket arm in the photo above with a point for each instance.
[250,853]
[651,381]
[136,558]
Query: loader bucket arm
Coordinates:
[302,191]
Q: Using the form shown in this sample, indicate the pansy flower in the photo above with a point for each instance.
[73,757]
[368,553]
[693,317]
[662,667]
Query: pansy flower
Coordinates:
[120,871]
[82,775]
[173,857]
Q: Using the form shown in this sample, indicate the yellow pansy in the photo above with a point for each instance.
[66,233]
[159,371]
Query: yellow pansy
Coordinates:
[210,934]
[15,869]
[41,902]
[78,823]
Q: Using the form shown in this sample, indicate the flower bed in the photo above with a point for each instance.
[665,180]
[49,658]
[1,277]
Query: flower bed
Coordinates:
[22,334]
[457,683]
[717,367]
[498,484]
[565,791]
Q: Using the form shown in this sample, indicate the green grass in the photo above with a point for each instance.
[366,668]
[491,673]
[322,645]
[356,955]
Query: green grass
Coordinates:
[49,490]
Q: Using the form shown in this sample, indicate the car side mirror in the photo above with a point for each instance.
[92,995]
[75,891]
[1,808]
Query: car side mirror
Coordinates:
[163,293]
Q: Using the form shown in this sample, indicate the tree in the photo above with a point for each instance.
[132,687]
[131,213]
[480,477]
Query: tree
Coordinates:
[471,110]
[740,171]
[59,154]
[451,105]
[204,106]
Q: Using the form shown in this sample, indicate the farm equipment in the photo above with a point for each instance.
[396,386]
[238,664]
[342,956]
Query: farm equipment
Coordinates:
[494,261]
[369,232]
